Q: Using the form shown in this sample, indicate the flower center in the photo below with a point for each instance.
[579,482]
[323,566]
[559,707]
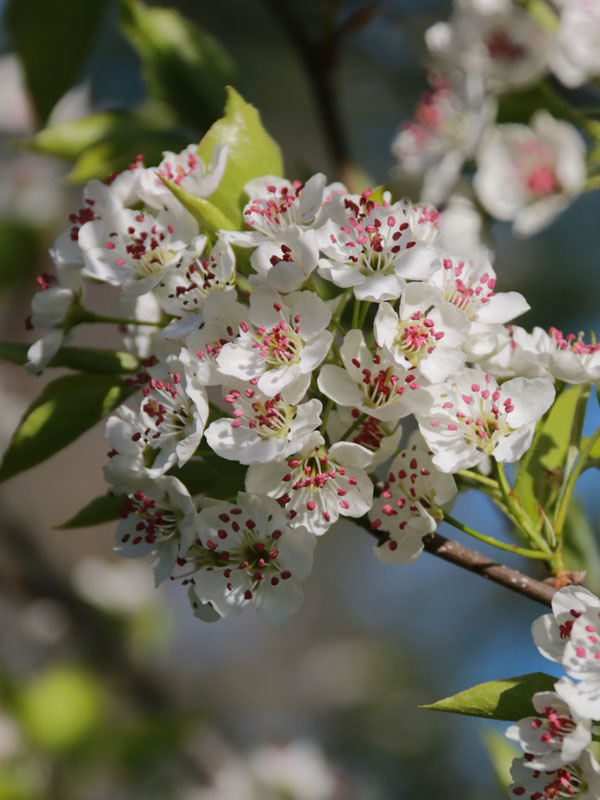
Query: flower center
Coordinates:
[464,289]
[156,520]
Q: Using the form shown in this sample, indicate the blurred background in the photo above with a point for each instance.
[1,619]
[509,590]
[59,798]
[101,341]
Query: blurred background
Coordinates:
[110,688]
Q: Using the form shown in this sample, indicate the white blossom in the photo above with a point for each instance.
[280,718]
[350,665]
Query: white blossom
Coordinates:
[575,53]
[557,735]
[245,554]
[473,417]
[529,174]
[316,485]
[161,521]
[579,780]
[409,504]
[283,342]
[568,358]
[551,632]
[380,438]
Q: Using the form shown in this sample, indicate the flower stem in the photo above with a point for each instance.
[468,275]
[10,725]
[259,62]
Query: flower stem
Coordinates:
[477,477]
[563,503]
[521,551]
[325,417]
[516,512]
[89,316]
[353,427]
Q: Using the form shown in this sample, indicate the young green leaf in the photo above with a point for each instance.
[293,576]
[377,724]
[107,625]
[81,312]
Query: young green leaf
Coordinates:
[184,66]
[211,219]
[508,699]
[101,509]
[541,473]
[52,41]
[252,153]
[66,408]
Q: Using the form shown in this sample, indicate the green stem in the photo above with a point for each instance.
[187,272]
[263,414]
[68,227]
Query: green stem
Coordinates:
[337,324]
[325,417]
[516,512]
[353,427]
[479,478]
[592,184]
[521,551]
[563,503]
[363,315]
[355,313]
[216,410]
[89,316]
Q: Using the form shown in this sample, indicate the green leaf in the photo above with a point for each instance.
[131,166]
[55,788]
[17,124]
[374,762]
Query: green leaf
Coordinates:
[210,218]
[508,699]
[593,459]
[86,359]
[99,510]
[541,474]
[52,41]
[107,142]
[184,66]
[580,544]
[252,153]
[501,752]
[66,408]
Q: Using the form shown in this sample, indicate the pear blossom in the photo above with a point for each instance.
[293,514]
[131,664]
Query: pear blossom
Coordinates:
[287,262]
[380,438]
[425,335]
[161,521]
[530,173]
[575,53]
[134,249]
[581,660]
[222,319]
[374,250]
[185,169]
[579,780]
[245,554]
[371,382]
[470,286]
[445,132]
[495,348]
[282,342]
[50,308]
[551,632]
[316,485]
[408,506]
[568,358]
[495,51]
[474,417]
[184,288]
[557,735]
[263,428]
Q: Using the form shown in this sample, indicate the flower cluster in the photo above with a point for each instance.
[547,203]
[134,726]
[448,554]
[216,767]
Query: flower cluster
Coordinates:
[526,173]
[278,362]
[557,761]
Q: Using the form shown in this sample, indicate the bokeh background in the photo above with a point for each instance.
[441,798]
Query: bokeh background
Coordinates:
[110,688]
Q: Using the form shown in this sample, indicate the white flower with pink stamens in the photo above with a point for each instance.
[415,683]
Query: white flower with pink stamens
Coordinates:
[579,780]
[473,417]
[160,520]
[575,55]
[134,249]
[445,131]
[262,428]
[494,348]
[425,335]
[374,250]
[568,358]
[50,308]
[409,504]
[551,632]
[282,342]
[380,438]
[185,169]
[495,51]
[184,289]
[246,555]
[470,286]
[557,736]
[316,486]
[286,262]
[371,382]
[529,174]
[581,660]
[222,319]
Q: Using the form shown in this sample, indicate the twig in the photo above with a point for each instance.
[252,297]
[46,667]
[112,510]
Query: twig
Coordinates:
[469,559]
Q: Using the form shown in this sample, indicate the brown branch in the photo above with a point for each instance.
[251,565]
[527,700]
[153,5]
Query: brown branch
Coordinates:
[469,559]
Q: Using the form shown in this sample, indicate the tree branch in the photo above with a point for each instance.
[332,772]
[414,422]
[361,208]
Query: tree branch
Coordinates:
[469,559]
